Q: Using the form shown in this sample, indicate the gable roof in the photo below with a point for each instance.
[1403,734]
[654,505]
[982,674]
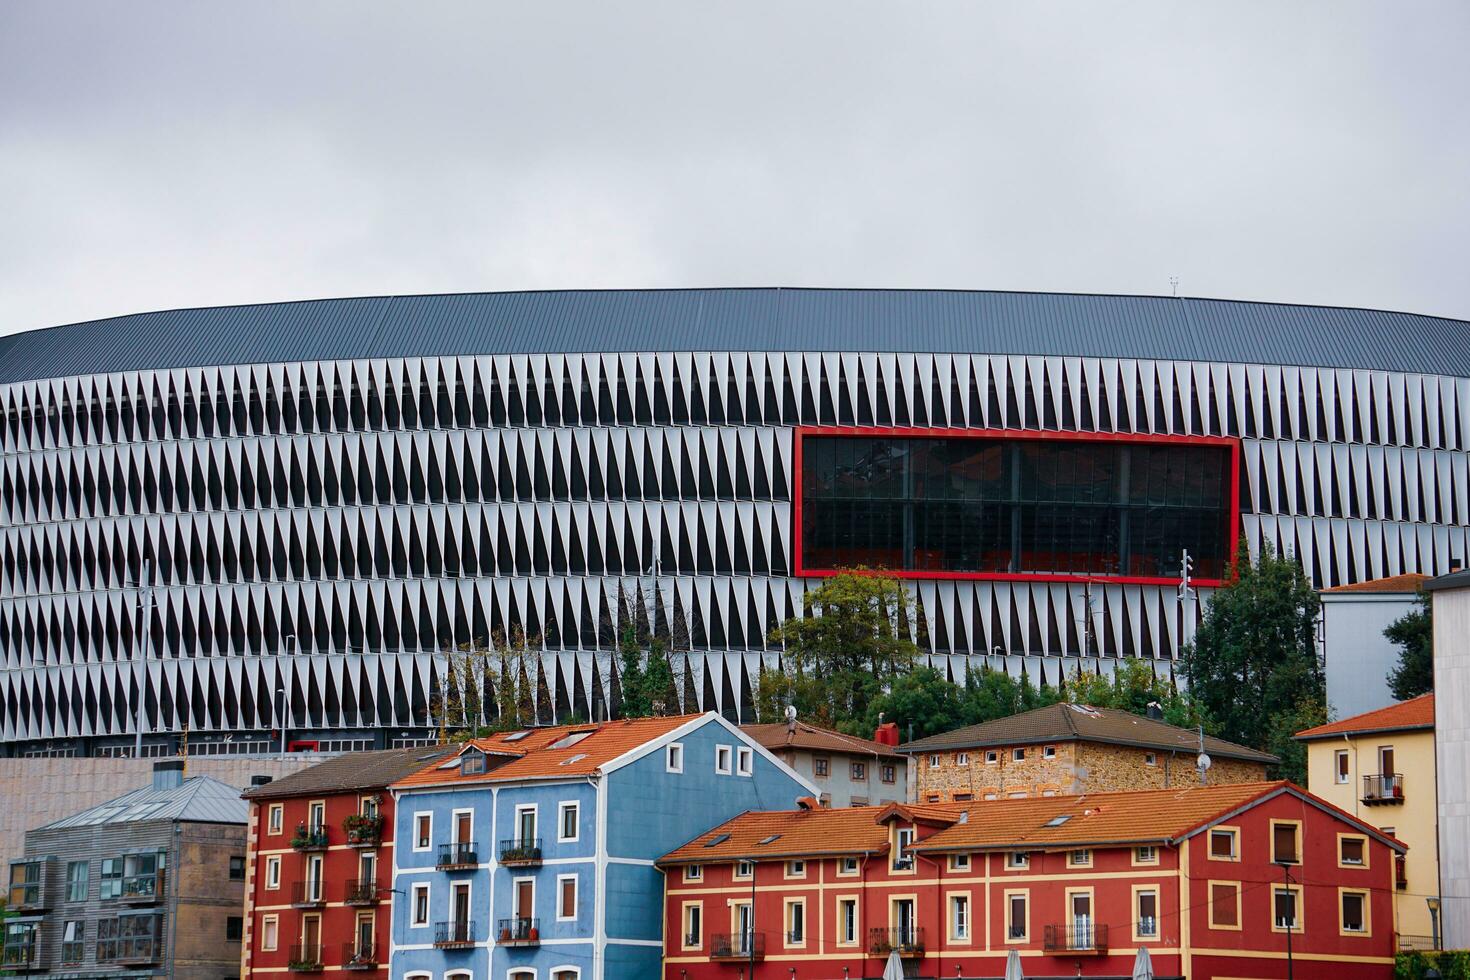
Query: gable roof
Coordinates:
[1080,723]
[534,753]
[198,799]
[1410,582]
[1411,715]
[795,833]
[352,771]
[778,736]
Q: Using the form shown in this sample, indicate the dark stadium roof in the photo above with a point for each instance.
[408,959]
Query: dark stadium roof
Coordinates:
[869,320]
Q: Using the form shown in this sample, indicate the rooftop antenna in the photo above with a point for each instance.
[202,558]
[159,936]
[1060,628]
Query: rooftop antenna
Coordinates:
[1174,286]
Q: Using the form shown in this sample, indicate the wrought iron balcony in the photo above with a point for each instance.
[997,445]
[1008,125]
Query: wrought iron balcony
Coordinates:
[1079,937]
[462,855]
[908,940]
[359,956]
[737,946]
[306,958]
[362,891]
[1386,787]
[521,852]
[454,935]
[310,838]
[519,931]
[363,831]
[309,893]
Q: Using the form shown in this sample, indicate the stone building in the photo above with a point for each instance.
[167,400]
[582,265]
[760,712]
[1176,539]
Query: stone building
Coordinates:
[849,771]
[150,884]
[1066,749]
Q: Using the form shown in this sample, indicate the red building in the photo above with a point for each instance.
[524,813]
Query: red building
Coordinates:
[1213,881]
[319,866]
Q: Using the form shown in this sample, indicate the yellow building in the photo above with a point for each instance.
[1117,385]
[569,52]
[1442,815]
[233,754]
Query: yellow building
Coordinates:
[1379,767]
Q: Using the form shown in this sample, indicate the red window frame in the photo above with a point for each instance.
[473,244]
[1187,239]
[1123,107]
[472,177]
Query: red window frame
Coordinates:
[1040,435]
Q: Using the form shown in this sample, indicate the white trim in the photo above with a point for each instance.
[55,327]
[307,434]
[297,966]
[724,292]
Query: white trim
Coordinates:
[744,761]
[413,905]
[561,820]
[670,750]
[535,811]
[575,971]
[576,897]
[638,862]
[414,831]
[693,725]
[728,752]
[599,906]
[454,816]
[655,943]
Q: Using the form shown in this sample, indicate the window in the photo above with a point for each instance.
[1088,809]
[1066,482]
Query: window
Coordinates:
[693,925]
[796,869]
[992,757]
[825,800]
[566,898]
[420,909]
[722,760]
[273,872]
[1222,844]
[744,869]
[1352,851]
[888,773]
[367,806]
[1049,752]
[859,771]
[1145,913]
[1147,854]
[524,973]
[317,815]
[847,866]
[112,876]
[73,941]
[76,881]
[234,928]
[557,973]
[1018,755]
[1150,759]
[934,761]
[959,917]
[270,932]
[674,757]
[1224,905]
[1017,860]
[847,927]
[1016,916]
[237,867]
[962,758]
[795,922]
[744,760]
[858,801]
[1284,914]
[1341,767]
[987,506]
[1354,909]
[903,858]
[1081,858]
[1285,845]
[959,862]
[821,765]
[569,814]
[423,826]
[277,818]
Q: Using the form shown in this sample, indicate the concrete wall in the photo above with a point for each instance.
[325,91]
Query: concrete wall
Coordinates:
[38,791]
[839,785]
[1358,655]
[1452,752]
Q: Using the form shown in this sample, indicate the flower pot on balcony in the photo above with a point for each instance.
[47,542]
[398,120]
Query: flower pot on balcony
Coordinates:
[505,935]
[534,935]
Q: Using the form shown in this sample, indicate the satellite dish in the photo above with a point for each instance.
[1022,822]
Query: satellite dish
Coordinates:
[1203,762]
[790,713]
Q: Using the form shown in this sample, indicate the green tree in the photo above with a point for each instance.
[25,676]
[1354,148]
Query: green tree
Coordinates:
[1253,668]
[1133,687]
[1413,634]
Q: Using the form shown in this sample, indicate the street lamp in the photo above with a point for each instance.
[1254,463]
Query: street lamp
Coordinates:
[281,719]
[145,633]
[1291,924]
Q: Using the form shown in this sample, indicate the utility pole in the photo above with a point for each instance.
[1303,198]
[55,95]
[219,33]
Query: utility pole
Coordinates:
[145,633]
[1295,913]
[1186,593]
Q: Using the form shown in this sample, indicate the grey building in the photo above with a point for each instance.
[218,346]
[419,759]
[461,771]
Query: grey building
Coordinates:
[150,884]
[1451,598]
[1358,655]
[849,771]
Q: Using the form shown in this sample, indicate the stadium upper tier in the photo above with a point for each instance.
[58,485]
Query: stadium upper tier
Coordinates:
[766,319]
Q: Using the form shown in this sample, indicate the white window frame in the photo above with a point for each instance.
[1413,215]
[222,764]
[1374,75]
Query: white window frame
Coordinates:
[1049,752]
[842,866]
[419,815]
[275,921]
[959,862]
[273,872]
[413,906]
[959,925]
[856,903]
[693,872]
[459,975]
[515,898]
[744,761]
[736,875]
[576,897]
[561,821]
[934,760]
[1018,755]
[796,868]
[727,753]
[275,821]
[992,757]
[454,816]
[674,757]
[1151,758]
[518,973]
[418,975]
[535,812]
[962,758]
[1018,860]
[556,971]
[1341,775]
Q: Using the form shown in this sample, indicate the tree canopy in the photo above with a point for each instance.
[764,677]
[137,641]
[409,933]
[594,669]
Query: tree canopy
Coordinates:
[1413,634]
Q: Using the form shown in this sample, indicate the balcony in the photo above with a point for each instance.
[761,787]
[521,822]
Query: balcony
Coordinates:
[142,889]
[363,831]
[454,935]
[1080,938]
[20,954]
[737,946]
[362,891]
[908,941]
[308,894]
[305,959]
[1400,872]
[27,896]
[359,956]
[138,952]
[310,838]
[1384,788]
[519,931]
[454,857]
[525,852]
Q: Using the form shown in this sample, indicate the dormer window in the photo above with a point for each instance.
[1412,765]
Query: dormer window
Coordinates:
[903,859]
[472,762]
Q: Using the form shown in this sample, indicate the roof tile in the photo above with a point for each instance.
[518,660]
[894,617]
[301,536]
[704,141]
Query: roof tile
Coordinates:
[1414,713]
[805,736]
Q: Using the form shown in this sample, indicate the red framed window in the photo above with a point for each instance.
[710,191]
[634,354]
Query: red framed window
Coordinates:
[1015,504]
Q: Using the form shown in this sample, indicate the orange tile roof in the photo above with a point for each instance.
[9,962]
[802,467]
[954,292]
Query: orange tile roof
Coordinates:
[805,833]
[1393,583]
[1405,715]
[779,736]
[532,756]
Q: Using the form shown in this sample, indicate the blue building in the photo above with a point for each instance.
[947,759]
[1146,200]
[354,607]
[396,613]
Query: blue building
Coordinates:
[530,855]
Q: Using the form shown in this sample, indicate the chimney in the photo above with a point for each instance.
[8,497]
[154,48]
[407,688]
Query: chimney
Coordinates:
[168,774]
[259,780]
[886,734]
[1155,711]
[807,803]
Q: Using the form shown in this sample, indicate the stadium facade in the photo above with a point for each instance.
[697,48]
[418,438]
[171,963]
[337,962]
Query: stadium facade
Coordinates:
[309,503]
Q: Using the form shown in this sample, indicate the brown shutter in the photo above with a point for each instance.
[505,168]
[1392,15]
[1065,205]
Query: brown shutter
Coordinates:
[1352,850]
[1222,897]
[1283,842]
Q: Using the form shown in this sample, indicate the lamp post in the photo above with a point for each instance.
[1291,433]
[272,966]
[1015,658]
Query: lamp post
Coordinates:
[281,719]
[1291,924]
[145,634]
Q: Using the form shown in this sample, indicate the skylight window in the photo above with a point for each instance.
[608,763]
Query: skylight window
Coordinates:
[716,840]
[576,758]
[568,741]
[1058,821]
[769,839]
[516,736]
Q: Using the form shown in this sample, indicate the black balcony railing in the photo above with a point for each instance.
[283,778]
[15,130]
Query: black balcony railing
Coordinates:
[142,888]
[362,891]
[310,838]
[312,891]
[359,956]
[908,940]
[306,958]
[22,954]
[1079,937]
[1385,787]
[463,855]
[363,831]
[518,931]
[452,934]
[522,851]
[737,946]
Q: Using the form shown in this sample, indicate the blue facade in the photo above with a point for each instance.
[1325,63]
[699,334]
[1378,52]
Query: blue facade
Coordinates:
[617,931]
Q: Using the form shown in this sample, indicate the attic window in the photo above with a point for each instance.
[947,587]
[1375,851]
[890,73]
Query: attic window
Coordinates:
[1058,821]
[769,839]
[474,762]
[576,758]
[717,840]
[516,736]
[568,741]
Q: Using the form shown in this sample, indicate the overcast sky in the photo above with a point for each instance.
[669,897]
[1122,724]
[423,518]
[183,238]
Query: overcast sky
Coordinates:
[157,154]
